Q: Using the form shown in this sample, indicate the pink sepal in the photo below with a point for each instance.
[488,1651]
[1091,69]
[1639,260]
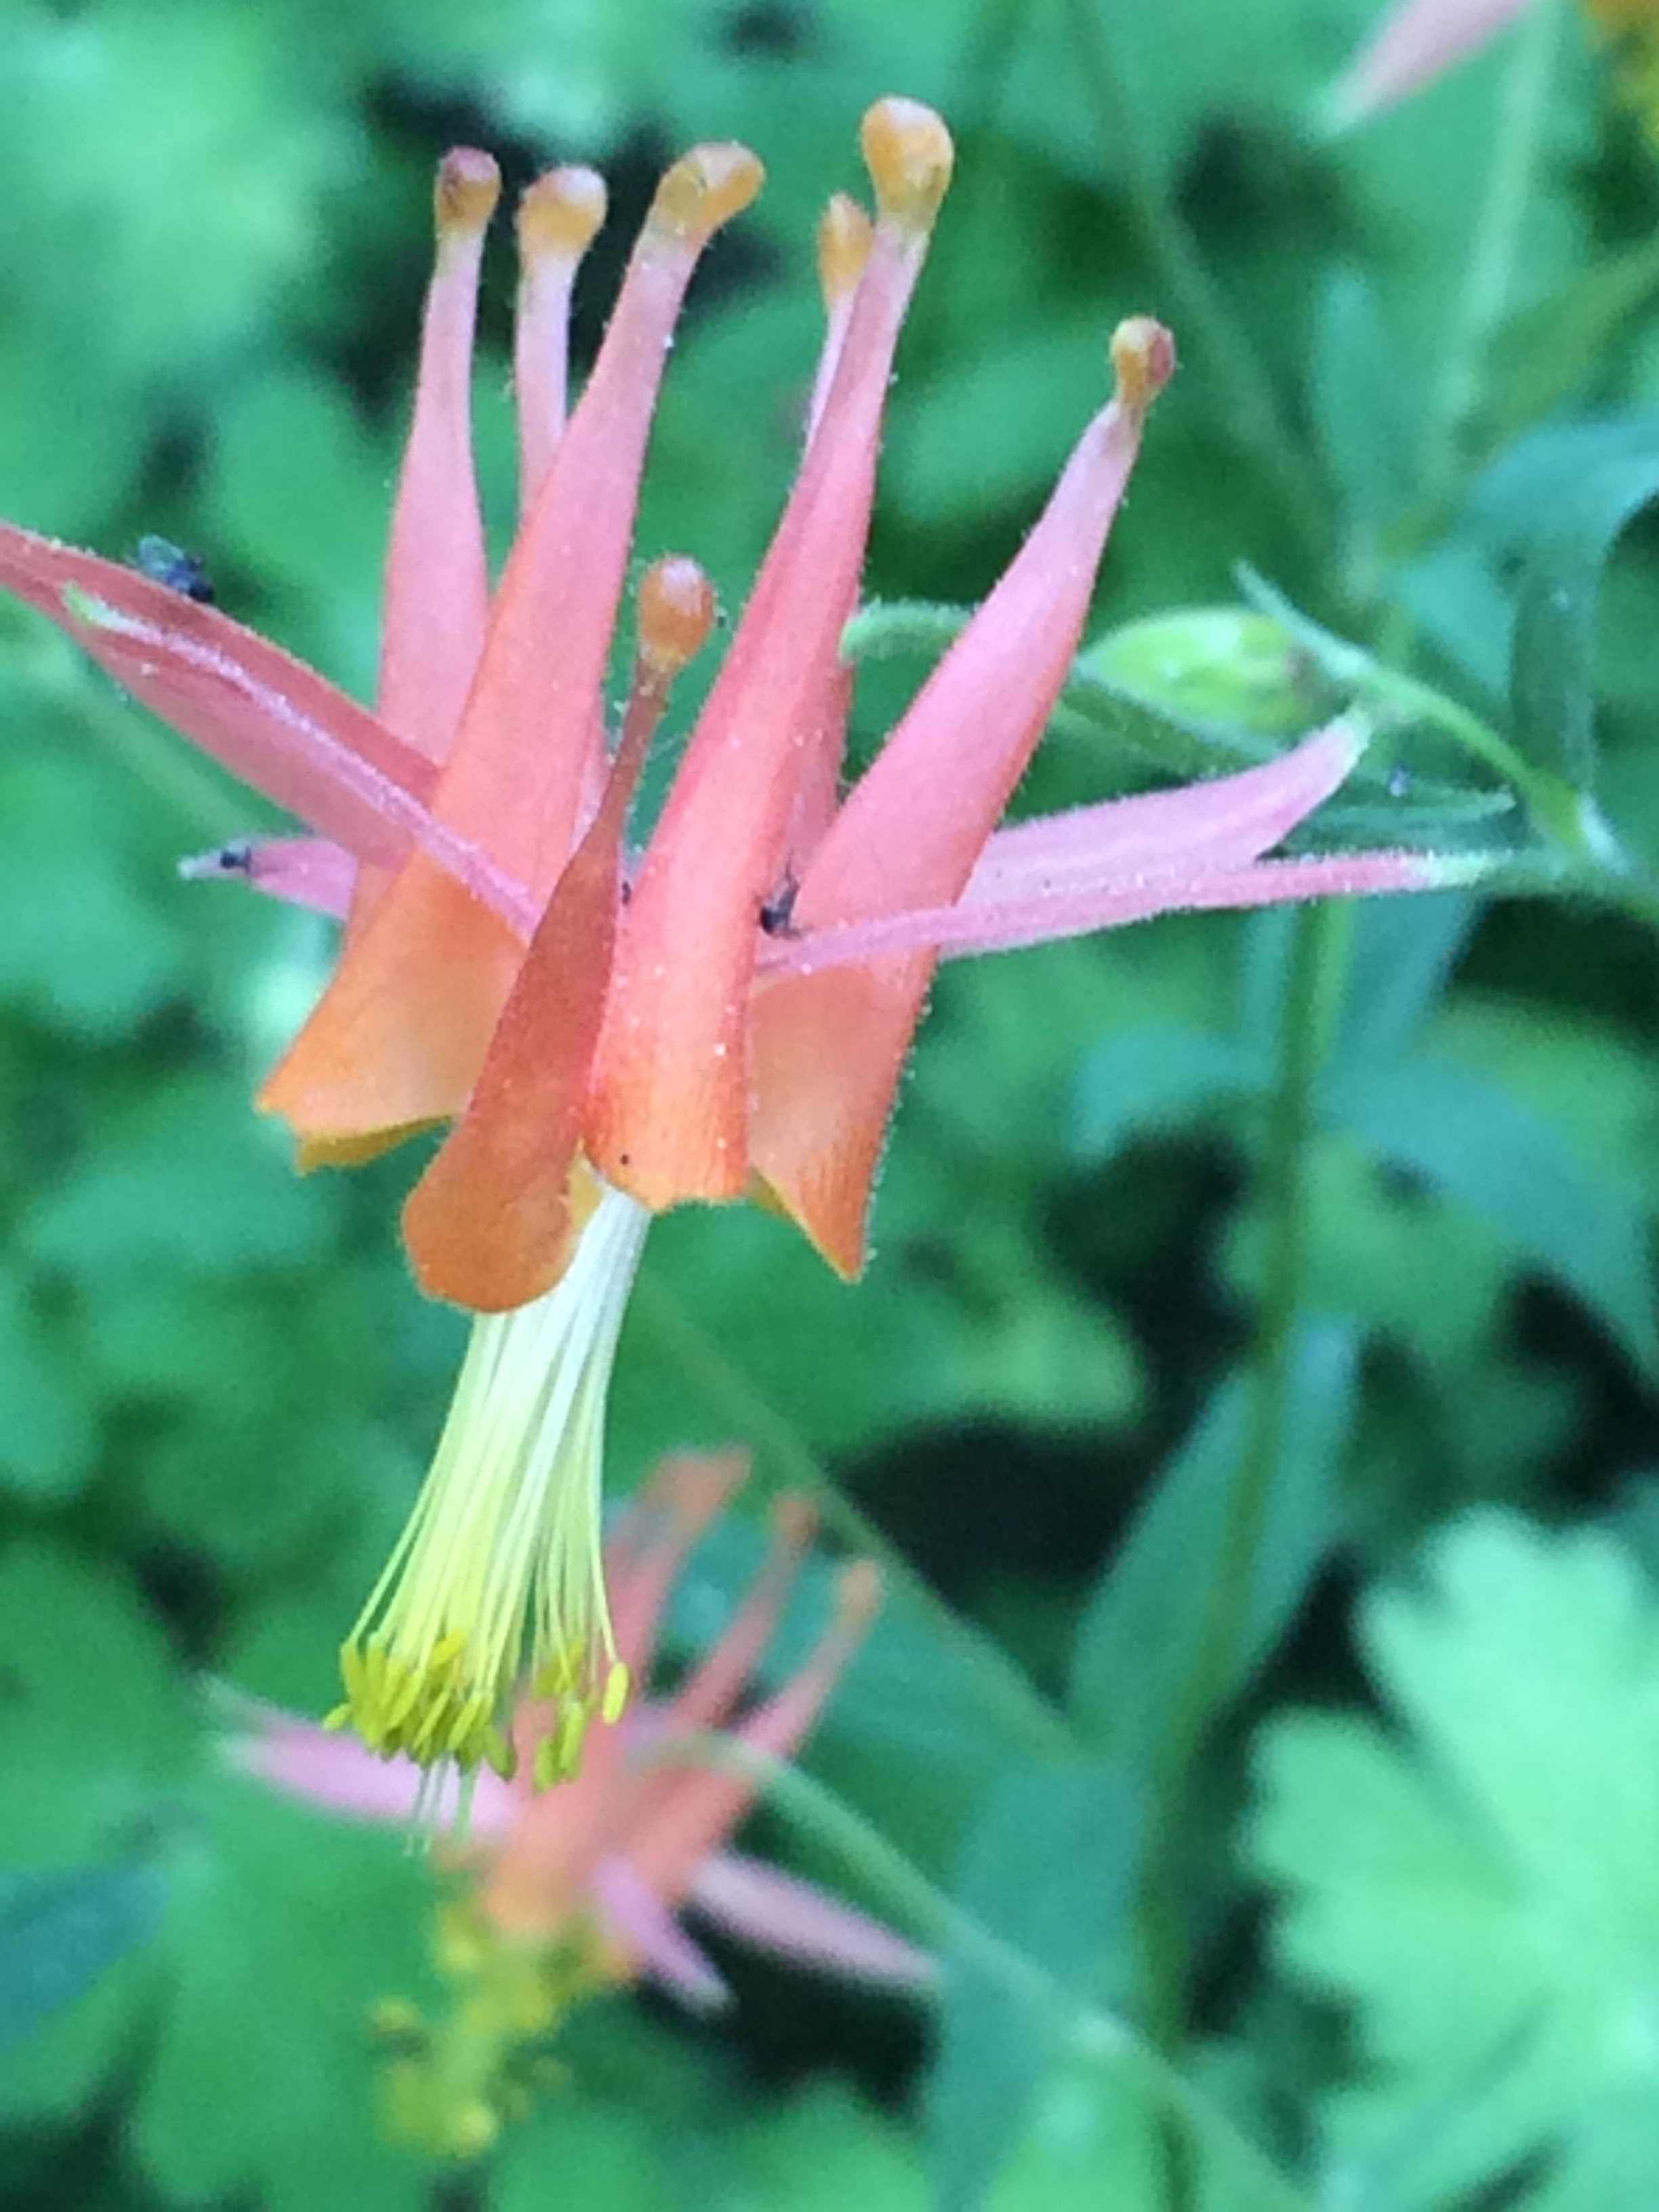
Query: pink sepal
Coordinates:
[338,1773]
[954,931]
[781,1913]
[1414,45]
[308,872]
[266,717]
[1218,824]
[637,1916]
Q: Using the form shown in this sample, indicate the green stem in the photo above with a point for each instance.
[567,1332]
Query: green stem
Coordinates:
[905,1894]
[1027,1716]
[1201,311]
[1495,249]
[1319,958]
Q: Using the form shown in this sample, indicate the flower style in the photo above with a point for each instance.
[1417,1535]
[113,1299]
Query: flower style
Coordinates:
[559,1895]
[727,1014]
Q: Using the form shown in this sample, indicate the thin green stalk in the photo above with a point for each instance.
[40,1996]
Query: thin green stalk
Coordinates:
[1029,1717]
[1318,965]
[1485,280]
[1199,308]
[908,1896]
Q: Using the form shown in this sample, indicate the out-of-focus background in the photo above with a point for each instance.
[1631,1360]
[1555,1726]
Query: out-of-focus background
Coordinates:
[1397,1920]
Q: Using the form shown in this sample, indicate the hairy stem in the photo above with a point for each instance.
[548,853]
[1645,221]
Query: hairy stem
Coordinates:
[1312,994]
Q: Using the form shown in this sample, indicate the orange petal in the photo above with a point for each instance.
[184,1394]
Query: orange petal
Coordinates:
[671,1085]
[434,965]
[679,1829]
[365,1073]
[559,217]
[437,578]
[261,713]
[489,1224]
[437,584]
[828,1049]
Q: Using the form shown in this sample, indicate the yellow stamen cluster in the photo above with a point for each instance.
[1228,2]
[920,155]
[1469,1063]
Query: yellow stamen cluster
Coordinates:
[451,2084]
[498,1576]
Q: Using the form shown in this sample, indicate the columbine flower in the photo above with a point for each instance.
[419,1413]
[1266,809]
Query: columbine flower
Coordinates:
[556,1895]
[728,1014]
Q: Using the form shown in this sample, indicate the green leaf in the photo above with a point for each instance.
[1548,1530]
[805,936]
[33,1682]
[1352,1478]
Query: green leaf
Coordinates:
[1089,2140]
[60,1932]
[1402,956]
[1483,1888]
[284,1929]
[1360,414]
[1049,1869]
[1150,1080]
[825,2150]
[94,1721]
[94,1737]
[185,1181]
[48,1428]
[1473,1141]
[1587,483]
[1140,1636]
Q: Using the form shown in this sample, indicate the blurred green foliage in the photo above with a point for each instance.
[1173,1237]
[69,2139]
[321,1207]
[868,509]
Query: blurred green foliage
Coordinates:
[1342,1800]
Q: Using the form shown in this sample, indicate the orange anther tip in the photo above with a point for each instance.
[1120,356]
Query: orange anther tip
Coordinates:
[844,236]
[908,154]
[468,186]
[857,1593]
[561,212]
[796,1521]
[676,611]
[705,188]
[1143,360]
[694,1483]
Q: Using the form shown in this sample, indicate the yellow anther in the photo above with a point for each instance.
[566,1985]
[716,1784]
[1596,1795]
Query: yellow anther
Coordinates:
[570,1735]
[676,611]
[1143,361]
[909,156]
[467,188]
[561,214]
[704,188]
[473,2129]
[857,1592]
[396,2020]
[617,1684]
[844,236]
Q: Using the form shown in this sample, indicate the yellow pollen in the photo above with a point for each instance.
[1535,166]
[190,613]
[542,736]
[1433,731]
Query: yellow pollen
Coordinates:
[1143,361]
[561,214]
[468,186]
[704,188]
[676,611]
[844,236]
[498,1579]
[909,156]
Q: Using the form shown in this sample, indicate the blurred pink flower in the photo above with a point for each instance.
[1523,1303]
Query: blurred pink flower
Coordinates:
[1416,42]
[558,1893]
